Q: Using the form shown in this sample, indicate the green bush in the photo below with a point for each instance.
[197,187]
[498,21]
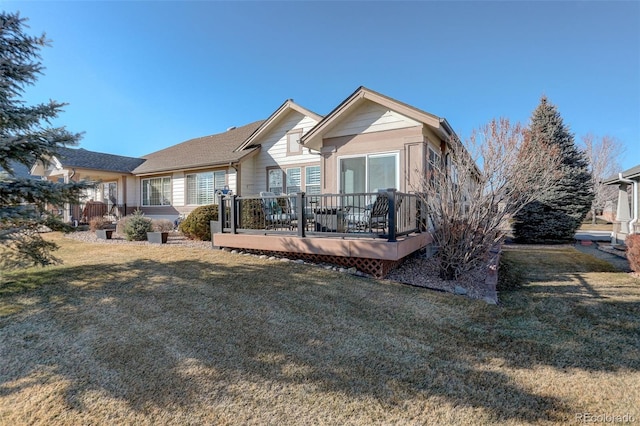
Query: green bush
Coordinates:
[196,226]
[136,227]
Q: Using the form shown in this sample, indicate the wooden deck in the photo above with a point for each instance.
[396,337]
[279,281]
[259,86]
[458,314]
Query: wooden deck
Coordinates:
[375,256]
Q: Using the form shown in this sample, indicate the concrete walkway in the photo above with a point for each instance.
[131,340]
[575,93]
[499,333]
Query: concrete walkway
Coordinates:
[619,261]
[593,235]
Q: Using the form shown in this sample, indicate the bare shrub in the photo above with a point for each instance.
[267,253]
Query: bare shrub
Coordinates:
[603,154]
[100,222]
[162,225]
[473,191]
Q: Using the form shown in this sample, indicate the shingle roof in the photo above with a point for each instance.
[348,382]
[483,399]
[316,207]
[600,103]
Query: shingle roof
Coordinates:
[81,158]
[210,150]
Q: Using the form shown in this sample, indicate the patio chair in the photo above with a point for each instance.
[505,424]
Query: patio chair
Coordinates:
[275,215]
[371,218]
[379,213]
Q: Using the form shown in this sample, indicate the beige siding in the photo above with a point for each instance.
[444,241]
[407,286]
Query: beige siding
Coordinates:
[133,192]
[274,152]
[247,170]
[232,179]
[371,117]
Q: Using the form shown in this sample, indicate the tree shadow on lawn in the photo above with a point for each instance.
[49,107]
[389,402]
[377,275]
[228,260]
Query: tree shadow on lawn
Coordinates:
[565,321]
[167,334]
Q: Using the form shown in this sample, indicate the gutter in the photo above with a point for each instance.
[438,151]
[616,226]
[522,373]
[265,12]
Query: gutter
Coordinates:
[635,200]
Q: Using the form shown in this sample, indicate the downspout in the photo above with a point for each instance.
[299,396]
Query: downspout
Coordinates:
[69,206]
[635,201]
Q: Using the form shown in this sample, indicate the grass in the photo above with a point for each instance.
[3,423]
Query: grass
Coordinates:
[597,227]
[148,335]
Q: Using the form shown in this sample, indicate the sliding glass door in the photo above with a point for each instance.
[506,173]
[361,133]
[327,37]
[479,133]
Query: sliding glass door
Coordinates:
[368,173]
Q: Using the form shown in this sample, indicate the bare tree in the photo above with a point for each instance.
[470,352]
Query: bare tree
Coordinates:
[603,154]
[471,193]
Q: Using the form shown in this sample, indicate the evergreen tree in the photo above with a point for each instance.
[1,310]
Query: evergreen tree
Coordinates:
[556,216]
[26,136]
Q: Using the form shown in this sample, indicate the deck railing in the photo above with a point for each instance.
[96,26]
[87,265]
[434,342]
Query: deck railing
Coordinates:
[386,214]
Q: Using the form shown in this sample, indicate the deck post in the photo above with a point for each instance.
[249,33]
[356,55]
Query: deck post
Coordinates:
[221,211]
[302,219]
[391,196]
[233,216]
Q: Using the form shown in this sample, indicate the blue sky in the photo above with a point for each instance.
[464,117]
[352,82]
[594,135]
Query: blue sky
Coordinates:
[141,76]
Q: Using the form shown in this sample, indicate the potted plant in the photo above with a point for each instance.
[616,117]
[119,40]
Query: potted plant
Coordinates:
[160,233]
[102,227]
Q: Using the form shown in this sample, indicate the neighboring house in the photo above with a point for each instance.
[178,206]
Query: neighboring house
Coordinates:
[112,174]
[627,213]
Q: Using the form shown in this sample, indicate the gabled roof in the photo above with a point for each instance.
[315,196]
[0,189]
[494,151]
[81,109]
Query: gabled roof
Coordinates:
[213,150]
[313,138]
[84,159]
[632,173]
[282,111]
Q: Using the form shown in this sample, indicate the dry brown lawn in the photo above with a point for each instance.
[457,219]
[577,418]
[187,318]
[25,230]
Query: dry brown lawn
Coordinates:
[596,227]
[143,335]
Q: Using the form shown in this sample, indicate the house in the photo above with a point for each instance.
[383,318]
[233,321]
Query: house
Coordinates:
[368,143]
[626,220]
[112,174]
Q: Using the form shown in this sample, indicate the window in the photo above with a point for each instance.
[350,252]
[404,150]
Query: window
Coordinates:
[312,180]
[201,187]
[293,142]
[156,191]
[294,180]
[275,181]
[289,181]
[369,173]
[433,165]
